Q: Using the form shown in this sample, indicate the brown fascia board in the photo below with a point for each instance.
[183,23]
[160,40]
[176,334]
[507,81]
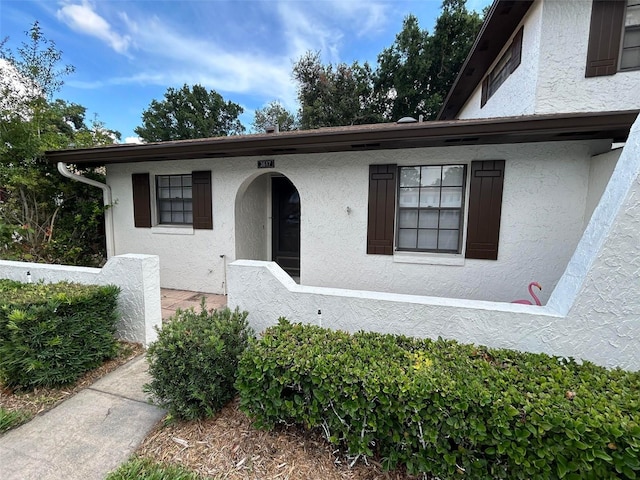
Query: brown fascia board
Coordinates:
[501,22]
[536,128]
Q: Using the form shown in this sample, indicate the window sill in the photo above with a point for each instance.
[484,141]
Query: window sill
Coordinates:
[172,230]
[428,258]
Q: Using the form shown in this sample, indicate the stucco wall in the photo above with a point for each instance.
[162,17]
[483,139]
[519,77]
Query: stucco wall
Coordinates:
[252,226]
[138,277]
[551,77]
[545,187]
[599,174]
[593,313]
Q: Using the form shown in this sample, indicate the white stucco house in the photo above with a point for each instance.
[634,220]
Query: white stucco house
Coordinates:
[425,228]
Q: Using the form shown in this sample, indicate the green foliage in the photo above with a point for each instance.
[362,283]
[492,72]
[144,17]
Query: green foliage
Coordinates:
[273,114]
[334,97]
[145,469]
[446,409]
[189,113]
[45,217]
[194,362]
[50,334]
[11,419]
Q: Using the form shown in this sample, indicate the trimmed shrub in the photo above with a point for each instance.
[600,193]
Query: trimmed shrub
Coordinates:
[50,334]
[194,362]
[450,410]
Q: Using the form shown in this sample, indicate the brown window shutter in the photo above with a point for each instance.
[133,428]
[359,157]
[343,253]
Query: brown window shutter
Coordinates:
[485,206]
[202,215]
[607,20]
[382,206]
[485,91]
[516,51]
[141,200]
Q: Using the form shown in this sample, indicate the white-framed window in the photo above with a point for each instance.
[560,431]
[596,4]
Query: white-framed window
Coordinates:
[430,208]
[174,195]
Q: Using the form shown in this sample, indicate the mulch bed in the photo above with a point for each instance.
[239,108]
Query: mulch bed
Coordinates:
[228,447]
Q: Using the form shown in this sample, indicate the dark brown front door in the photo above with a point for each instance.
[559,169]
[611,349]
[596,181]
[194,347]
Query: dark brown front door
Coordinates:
[286,225]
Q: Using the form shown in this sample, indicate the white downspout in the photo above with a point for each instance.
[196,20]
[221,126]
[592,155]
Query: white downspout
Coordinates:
[108,203]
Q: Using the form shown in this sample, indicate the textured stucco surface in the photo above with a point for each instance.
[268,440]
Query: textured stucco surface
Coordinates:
[599,174]
[138,277]
[551,77]
[593,313]
[546,186]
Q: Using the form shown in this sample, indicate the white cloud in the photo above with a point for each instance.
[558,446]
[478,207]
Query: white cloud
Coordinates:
[135,140]
[83,18]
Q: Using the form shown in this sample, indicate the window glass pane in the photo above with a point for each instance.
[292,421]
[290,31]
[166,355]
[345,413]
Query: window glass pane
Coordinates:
[175,180]
[177,217]
[409,176]
[431,176]
[163,181]
[163,193]
[186,192]
[428,239]
[452,176]
[188,217]
[407,238]
[408,197]
[408,219]
[448,240]
[176,192]
[165,217]
[633,14]
[186,180]
[632,38]
[176,205]
[164,205]
[630,58]
[187,205]
[450,219]
[451,196]
[428,219]
[430,197]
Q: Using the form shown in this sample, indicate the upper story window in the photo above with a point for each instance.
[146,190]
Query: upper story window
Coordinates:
[174,195]
[614,37]
[430,204]
[506,66]
[630,54]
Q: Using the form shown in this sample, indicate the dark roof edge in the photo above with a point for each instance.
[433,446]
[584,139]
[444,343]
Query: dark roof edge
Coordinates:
[535,128]
[501,22]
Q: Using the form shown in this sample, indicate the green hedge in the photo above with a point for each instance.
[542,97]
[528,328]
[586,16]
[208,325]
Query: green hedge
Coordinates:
[194,362]
[451,410]
[50,334]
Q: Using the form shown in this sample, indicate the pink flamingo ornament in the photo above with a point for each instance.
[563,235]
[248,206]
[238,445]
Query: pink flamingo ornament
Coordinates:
[537,300]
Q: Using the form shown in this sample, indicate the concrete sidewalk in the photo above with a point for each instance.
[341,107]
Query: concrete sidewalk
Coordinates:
[86,436]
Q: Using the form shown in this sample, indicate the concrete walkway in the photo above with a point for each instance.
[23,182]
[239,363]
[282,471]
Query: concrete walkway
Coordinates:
[86,436]
[96,430]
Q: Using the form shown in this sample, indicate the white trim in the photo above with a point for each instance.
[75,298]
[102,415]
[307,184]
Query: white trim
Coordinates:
[429,258]
[172,229]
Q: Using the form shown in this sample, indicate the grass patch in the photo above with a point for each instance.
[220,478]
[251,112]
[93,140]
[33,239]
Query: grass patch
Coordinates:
[144,469]
[10,419]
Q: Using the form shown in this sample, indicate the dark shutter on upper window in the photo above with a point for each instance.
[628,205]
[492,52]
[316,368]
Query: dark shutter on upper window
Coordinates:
[202,215]
[607,17]
[141,200]
[485,206]
[382,205]
[516,51]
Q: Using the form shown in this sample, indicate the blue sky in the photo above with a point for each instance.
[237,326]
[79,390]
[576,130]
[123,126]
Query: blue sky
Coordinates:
[127,53]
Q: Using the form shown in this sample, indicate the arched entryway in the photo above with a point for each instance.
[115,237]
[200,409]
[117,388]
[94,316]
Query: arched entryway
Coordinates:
[267,221]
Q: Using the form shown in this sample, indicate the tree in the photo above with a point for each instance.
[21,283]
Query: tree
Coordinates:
[273,114]
[331,96]
[43,216]
[189,113]
[415,74]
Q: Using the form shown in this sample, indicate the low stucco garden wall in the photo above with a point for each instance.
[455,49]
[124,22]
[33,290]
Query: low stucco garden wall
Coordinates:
[592,314]
[138,277]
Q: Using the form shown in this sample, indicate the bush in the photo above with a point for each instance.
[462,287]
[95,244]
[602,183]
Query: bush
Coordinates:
[194,362]
[50,334]
[451,410]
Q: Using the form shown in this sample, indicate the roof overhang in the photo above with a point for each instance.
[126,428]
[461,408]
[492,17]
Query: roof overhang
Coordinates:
[503,18]
[507,130]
